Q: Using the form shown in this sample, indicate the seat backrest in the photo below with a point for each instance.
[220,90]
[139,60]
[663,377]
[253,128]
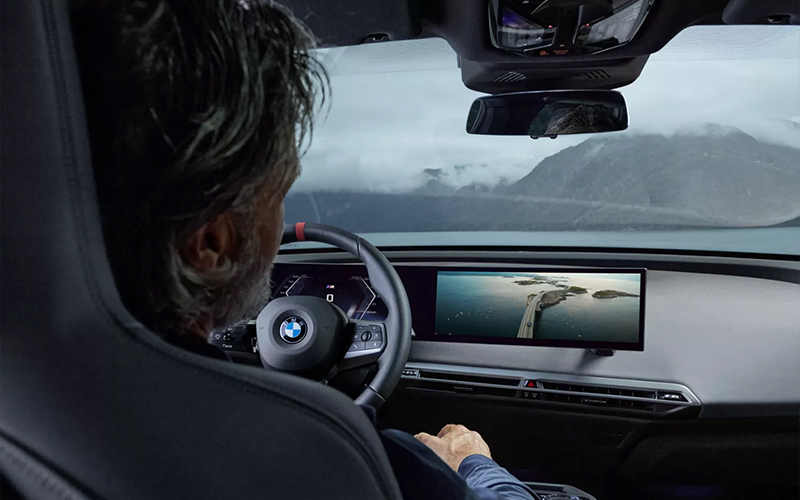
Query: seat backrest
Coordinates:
[88,395]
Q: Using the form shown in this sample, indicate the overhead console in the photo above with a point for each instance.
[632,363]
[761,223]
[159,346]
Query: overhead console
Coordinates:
[540,28]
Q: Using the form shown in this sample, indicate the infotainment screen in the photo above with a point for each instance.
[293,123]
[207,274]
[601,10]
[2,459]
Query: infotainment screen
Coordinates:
[571,309]
[590,308]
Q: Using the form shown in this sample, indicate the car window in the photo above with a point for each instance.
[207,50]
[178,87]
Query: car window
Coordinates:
[713,143]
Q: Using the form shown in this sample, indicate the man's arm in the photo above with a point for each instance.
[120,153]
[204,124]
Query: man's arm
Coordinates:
[422,475]
[484,476]
[467,453]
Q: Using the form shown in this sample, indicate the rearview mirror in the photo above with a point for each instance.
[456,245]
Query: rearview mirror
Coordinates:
[550,113]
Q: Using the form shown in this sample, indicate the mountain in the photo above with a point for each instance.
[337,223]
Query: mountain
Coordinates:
[730,178]
[480,177]
[713,177]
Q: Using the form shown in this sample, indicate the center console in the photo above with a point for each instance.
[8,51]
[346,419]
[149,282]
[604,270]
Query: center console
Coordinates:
[547,491]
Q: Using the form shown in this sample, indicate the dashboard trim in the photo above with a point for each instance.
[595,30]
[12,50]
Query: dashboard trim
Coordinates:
[693,400]
[568,393]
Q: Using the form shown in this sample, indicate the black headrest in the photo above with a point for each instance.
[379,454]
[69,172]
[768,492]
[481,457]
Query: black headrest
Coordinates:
[89,392]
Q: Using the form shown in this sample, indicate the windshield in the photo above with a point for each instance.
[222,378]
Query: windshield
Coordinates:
[713,145]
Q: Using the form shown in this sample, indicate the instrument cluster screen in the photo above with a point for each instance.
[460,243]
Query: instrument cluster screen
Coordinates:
[350,290]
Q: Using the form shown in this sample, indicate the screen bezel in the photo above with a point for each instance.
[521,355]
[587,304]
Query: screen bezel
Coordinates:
[427,333]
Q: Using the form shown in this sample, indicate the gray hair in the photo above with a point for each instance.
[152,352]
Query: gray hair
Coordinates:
[235,292]
[194,108]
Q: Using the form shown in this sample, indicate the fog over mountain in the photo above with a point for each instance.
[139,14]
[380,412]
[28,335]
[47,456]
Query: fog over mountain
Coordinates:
[722,177]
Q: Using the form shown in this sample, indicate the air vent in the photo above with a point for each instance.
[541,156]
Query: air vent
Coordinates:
[639,397]
[600,396]
[596,75]
[461,377]
[509,77]
[460,383]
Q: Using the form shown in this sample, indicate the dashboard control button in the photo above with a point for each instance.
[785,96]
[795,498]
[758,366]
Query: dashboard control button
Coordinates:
[228,337]
[374,344]
[366,336]
[357,346]
[377,336]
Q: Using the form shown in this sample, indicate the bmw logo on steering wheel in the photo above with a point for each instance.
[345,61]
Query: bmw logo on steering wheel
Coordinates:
[293,329]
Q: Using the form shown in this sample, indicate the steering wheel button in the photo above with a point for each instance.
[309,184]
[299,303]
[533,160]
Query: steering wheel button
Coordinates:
[374,344]
[366,336]
[377,336]
[357,346]
[375,328]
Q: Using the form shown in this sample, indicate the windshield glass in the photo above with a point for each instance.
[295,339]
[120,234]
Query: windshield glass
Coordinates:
[713,145]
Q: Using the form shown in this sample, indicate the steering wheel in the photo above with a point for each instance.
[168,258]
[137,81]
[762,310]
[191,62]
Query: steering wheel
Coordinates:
[312,337]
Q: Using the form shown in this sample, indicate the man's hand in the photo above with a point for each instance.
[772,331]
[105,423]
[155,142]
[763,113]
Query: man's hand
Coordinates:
[454,443]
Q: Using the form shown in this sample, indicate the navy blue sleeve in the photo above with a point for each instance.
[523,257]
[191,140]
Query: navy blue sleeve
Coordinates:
[482,474]
[422,475]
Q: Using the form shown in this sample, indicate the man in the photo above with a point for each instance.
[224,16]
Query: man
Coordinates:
[194,110]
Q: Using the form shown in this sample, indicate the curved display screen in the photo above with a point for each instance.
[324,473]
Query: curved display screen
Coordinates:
[542,306]
[597,308]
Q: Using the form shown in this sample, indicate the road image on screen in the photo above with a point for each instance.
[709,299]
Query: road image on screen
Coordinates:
[577,307]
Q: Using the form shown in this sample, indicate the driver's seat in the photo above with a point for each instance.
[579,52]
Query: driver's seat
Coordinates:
[91,404]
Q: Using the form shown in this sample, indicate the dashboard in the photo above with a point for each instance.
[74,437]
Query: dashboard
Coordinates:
[728,342]
[696,379]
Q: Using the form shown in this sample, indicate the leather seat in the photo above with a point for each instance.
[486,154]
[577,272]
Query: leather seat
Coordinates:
[92,405]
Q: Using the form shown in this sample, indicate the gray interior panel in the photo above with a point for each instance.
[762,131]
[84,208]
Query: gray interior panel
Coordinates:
[734,340]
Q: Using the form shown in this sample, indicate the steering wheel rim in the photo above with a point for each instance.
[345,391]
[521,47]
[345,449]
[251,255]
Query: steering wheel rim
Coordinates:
[383,279]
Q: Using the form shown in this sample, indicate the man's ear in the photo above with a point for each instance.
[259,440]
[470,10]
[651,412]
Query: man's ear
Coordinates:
[213,246]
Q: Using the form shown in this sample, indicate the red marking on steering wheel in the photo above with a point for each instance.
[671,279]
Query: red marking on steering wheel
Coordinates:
[299,231]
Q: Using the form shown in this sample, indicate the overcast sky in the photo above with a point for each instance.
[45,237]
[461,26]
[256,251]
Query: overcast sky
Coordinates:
[399,108]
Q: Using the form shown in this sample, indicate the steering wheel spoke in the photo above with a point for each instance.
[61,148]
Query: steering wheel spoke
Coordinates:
[367,343]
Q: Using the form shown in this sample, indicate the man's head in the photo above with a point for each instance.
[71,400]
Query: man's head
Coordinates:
[195,111]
